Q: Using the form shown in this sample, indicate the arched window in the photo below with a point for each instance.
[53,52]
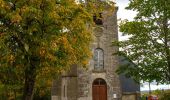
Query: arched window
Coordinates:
[98,59]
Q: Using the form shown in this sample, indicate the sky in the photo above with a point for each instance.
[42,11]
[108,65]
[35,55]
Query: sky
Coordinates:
[127,14]
[124,14]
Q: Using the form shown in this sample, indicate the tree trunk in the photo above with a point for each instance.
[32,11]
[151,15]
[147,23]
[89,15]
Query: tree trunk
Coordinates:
[15,94]
[30,78]
[29,87]
[150,92]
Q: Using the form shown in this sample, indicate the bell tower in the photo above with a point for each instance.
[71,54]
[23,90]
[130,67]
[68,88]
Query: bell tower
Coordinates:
[99,81]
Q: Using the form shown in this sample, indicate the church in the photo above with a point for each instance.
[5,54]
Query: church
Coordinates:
[99,81]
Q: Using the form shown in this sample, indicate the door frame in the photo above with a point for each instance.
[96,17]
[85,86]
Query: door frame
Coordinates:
[100,83]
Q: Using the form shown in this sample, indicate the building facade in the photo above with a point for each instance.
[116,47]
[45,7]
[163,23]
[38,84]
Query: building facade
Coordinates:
[99,81]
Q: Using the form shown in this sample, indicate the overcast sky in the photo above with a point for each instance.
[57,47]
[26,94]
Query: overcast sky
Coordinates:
[122,12]
[127,14]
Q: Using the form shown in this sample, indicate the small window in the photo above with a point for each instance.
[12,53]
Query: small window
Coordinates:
[98,59]
[98,19]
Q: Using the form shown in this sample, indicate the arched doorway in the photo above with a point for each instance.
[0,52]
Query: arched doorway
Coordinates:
[99,89]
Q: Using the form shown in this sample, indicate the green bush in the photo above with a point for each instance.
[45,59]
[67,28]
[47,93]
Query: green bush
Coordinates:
[165,95]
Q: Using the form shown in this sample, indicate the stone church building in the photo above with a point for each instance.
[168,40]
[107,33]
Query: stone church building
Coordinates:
[99,81]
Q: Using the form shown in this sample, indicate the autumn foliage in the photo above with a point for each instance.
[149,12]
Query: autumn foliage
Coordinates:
[40,39]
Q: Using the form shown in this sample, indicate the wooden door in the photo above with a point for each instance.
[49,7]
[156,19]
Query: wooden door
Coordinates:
[99,91]
[103,94]
[95,92]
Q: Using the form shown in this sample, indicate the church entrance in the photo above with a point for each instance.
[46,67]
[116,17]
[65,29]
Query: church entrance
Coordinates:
[99,89]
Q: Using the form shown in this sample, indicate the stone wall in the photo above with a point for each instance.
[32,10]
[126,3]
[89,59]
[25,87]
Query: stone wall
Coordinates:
[77,84]
[131,96]
[102,39]
[56,89]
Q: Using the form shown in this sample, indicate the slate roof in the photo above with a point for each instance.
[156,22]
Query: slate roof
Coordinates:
[127,84]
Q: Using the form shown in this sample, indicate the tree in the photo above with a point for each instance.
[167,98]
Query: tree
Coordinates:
[42,38]
[149,44]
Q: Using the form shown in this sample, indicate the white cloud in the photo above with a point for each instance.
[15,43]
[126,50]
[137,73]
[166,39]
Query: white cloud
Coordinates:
[122,12]
[154,87]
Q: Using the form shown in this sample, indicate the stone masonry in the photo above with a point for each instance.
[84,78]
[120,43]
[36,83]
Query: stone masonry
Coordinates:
[78,83]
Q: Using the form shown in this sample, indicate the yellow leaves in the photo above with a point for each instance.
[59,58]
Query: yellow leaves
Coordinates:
[24,9]
[42,93]
[53,15]
[54,44]
[35,2]
[49,83]
[2,4]
[42,51]
[63,41]
[72,43]
[11,58]
[1,34]
[51,57]
[62,69]
[4,7]
[15,17]
[85,62]
[36,26]
[74,40]
[46,70]
[30,11]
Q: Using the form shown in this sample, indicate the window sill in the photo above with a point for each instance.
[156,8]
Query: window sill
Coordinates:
[98,71]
